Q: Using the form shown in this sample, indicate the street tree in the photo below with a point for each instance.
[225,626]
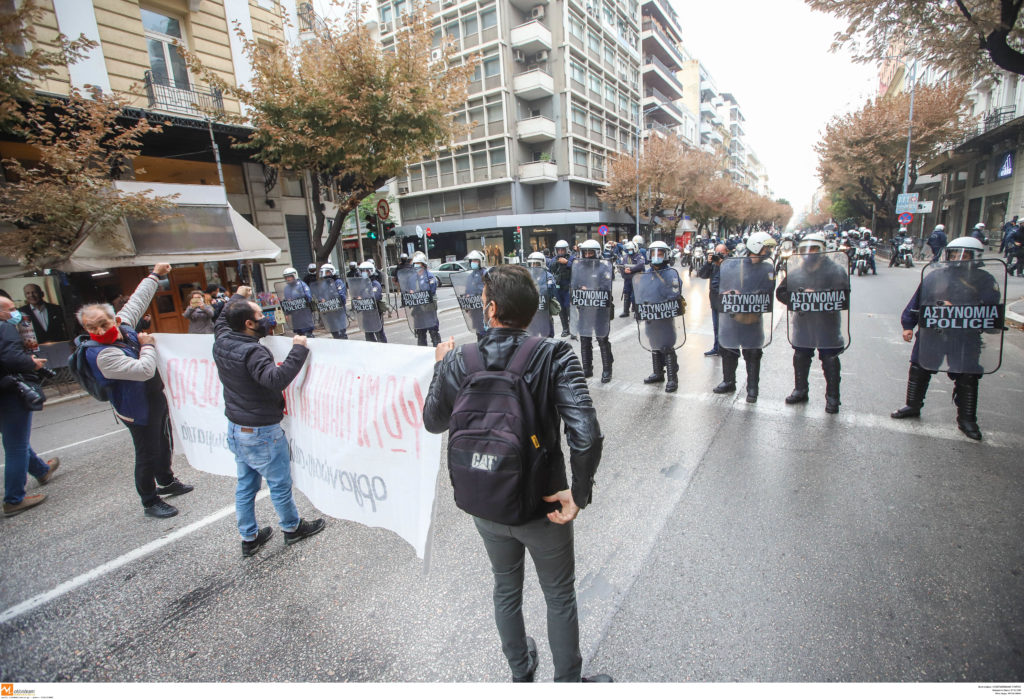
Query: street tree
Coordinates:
[967,37]
[861,155]
[67,194]
[27,58]
[345,111]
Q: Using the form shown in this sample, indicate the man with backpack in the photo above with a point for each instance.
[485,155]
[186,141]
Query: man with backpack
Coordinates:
[118,364]
[502,399]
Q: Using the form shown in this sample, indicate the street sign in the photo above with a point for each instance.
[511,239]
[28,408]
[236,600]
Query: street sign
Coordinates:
[383,210]
[905,218]
[906,203]
[603,230]
[924,207]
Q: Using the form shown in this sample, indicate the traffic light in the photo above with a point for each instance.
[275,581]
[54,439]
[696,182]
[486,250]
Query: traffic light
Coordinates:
[517,239]
[430,240]
[371,226]
[389,229]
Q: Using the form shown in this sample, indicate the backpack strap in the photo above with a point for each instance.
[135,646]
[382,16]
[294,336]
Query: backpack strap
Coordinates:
[521,359]
[472,359]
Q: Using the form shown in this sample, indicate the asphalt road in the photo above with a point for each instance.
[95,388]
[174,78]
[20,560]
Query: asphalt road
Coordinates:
[726,542]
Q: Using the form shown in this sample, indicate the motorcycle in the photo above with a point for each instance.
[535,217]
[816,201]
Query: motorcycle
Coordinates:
[696,258]
[863,258]
[905,253]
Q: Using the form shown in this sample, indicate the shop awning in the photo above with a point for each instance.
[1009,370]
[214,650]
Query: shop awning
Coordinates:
[201,227]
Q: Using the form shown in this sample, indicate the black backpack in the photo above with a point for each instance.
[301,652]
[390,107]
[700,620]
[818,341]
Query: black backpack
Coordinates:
[496,460]
[80,368]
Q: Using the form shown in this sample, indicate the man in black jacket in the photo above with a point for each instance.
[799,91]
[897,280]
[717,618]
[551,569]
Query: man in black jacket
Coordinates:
[254,404]
[712,270]
[556,381]
[47,318]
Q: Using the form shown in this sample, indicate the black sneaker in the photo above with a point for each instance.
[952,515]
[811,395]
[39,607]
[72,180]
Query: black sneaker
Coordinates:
[160,510]
[597,678]
[565,333]
[249,548]
[304,530]
[176,487]
[531,651]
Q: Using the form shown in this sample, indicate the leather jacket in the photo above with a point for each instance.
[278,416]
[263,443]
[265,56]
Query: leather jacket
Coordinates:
[555,378]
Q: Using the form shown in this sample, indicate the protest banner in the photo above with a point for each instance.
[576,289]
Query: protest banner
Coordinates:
[354,420]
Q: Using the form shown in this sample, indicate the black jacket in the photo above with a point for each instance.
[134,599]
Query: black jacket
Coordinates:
[709,270]
[14,358]
[556,380]
[253,383]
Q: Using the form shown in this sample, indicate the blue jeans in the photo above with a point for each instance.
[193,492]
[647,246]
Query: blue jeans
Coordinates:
[262,452]
[19,458]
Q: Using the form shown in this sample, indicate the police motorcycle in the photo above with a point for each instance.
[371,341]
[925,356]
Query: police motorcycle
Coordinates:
[959,311]
[785,248]
[696,256]
[905,252]
[659,315]
[862,258]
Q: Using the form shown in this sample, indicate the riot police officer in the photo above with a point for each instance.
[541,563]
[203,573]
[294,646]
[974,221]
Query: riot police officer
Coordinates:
[329,274]
[422,279]
[819,330]
[960,282]
[297,292]
[470,293]
[632,262]
[310,273]
[366,288]
[591,250]
[541,324]
[744,331]
[560,267]
[664,359]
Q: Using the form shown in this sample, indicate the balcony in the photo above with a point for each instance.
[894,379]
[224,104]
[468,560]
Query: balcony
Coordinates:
[538,171]
[656,70]
[309,21]
[653,97]
[653,34]
[181,101]
[533,84]
[536,129]
[531,37]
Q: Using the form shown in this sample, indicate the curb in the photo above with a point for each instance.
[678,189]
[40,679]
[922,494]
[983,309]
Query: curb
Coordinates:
[65,399]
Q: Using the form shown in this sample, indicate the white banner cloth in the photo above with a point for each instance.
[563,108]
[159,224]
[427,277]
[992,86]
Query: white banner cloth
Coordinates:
[354,421]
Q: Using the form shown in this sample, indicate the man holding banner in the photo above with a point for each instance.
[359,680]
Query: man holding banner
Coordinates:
[254,405]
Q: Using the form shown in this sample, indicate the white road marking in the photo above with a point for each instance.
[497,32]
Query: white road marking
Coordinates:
[84,441]
[119,562]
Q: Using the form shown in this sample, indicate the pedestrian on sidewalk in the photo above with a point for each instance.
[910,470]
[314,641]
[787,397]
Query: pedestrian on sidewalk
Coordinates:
[124,361]
[556,391]
[16,419]
[254,405]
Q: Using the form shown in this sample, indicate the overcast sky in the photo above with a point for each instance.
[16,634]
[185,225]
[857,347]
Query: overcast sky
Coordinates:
[773,56]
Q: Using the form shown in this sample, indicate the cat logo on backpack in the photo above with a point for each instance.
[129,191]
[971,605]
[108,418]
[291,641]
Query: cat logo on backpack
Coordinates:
[484,462]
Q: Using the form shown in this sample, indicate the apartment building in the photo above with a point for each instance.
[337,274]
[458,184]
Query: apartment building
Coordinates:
[556,93]
[236,222]
[663,58]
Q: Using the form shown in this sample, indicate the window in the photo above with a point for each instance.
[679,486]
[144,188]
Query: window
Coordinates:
[498,156]
[292,186]
[492,66]
[980,173]
[579,157]
[609,56]
[609,93]
[163,35]
[469,26]
[489,18]
[595,125]
[452,30]
[576,27]
[596,84]
[385,14]
[401,8]
[594,42]
[578,72]
[494,112]
[579,116]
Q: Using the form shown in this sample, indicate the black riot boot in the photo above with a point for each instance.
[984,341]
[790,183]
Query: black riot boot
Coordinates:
[730,360]
[965,395]
[606,359]
[830,368]
[587,356]
[658,360]
[917,386]
[801,370]
[672,366]
[753,362]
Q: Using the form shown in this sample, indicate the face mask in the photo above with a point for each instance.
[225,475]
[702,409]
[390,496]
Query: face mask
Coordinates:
[364,275]
[15,318]
[107,338]
[657,259]
[263,326]
[474,265]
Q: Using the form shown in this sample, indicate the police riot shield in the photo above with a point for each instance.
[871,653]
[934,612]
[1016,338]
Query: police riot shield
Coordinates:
[420,306]
[660,306]
[297,311]
[591,298]
[819,300]
[542,324]
[961,316]
[468,286]
[748,290]
[364,304]
[330,304]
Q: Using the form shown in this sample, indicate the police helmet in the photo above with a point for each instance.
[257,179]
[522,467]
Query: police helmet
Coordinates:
[475,255]
[368,265]
[658,250]
[419,259]
[630,247]
[327,270]
[979,226]
[903,229]
[590,246]
[290,272]
[760,243]
[535,259]
[311,267]
[404,256]
[561,244]
[966,248]
[638,240]
[812,242]
[352,264]
[940,227]
[740,250]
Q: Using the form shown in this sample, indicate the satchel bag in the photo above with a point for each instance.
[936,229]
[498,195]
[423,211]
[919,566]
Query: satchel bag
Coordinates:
[28,389]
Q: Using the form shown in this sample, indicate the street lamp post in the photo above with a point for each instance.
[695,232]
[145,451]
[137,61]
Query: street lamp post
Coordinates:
[639,130]
[910,125]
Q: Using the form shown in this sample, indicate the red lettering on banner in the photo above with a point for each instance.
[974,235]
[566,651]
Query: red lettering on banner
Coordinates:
[193,382]
[391,409]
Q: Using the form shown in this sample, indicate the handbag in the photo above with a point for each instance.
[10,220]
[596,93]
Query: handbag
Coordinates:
[30,392]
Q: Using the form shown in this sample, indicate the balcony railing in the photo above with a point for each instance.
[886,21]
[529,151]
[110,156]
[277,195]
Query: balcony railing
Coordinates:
[988,121]
[653,27]
[670,74]
[310,21]
[182,101]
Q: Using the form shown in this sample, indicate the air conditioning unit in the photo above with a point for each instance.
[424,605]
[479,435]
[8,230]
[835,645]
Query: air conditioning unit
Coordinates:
[542,56]
[537,12]
[435,55]
[518,56]
[403,190]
